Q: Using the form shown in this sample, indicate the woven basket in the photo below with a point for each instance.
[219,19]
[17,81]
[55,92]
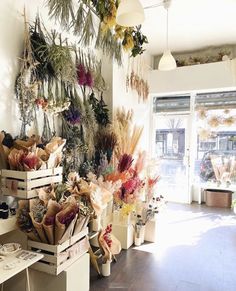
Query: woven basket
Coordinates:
[218,198]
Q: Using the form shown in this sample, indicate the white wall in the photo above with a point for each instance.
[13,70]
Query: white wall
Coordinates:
[213,76]
[130,100]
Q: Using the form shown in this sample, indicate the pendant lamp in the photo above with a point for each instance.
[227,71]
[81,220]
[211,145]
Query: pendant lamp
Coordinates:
[130,13]
[167,61]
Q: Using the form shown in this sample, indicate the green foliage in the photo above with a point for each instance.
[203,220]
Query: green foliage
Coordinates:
[100,110]
[139,41]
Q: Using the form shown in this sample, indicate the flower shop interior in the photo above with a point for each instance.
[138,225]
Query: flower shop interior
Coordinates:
[117,145]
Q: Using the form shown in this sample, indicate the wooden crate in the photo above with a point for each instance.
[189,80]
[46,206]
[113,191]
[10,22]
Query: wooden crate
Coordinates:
[59,257]
[24,185]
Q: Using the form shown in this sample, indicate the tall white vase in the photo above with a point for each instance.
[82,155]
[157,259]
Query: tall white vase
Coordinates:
[106,269]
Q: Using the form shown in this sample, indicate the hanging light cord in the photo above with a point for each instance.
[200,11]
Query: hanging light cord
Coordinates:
[167,29]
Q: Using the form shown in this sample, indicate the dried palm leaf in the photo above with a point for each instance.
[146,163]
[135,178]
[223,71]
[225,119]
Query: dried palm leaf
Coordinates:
[88,29]
[61,10]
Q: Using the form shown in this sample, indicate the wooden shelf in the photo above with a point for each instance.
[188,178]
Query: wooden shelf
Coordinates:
[7,225]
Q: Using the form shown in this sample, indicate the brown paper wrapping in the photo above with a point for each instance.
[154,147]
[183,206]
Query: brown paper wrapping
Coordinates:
[69,231]
[33,236]
[39,228]
[79,224]
[49,231]
[59,227]
[86,222]
[53,209]
[59,230]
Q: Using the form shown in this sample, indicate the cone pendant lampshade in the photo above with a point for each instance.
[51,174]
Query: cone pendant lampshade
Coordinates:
[130,13]
[167,61]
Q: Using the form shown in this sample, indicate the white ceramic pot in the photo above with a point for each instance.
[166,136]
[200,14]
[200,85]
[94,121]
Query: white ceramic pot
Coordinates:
[142,233]
[137,241]
[106,269]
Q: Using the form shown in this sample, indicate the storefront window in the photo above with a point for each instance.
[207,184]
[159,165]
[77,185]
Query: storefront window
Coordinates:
[216,146]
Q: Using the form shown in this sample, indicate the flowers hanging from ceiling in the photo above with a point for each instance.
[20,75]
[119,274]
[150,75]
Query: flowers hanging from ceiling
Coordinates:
[110,37]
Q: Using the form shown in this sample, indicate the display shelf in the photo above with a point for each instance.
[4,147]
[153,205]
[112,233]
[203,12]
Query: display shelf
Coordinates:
[7,225]
[20,265]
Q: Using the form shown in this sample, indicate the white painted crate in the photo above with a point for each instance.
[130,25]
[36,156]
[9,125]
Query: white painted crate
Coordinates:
[57,257]
[24,185]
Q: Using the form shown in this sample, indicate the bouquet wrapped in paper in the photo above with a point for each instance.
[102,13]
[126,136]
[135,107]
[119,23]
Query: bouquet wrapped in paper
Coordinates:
[30,154]
[24,221]
[37,212]
[64,219]
[108,244]
[53,208]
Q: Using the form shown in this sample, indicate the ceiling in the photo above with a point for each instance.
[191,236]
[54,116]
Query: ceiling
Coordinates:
[193,24]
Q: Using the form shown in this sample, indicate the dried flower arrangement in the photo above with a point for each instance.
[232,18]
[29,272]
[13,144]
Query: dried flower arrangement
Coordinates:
[110,37]
[127,136]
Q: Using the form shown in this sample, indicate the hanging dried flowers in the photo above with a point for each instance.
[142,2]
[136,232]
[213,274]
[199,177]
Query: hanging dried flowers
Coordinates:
[136,78]
[227,111]
[229,121]
[214,121]
[44,69]
[202,113]
[26,86]
[204,134]
[59,55]
[109,36]
[100,109]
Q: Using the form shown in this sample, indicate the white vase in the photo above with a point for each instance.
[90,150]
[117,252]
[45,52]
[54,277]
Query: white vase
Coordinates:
[109,208]
[137,241]
[142,233]
[96,224]
[116,216]
[106,269]
[126,219]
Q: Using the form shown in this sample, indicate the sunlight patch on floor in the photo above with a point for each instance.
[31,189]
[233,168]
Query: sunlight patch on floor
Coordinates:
[183,228]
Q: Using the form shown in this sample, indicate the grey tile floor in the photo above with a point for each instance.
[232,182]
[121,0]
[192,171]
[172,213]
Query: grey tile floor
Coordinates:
[195,250]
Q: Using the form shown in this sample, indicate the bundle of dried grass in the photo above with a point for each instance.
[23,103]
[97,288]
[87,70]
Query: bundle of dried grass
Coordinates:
[128,136]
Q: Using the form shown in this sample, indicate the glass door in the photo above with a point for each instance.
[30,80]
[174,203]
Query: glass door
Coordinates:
[171,149]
